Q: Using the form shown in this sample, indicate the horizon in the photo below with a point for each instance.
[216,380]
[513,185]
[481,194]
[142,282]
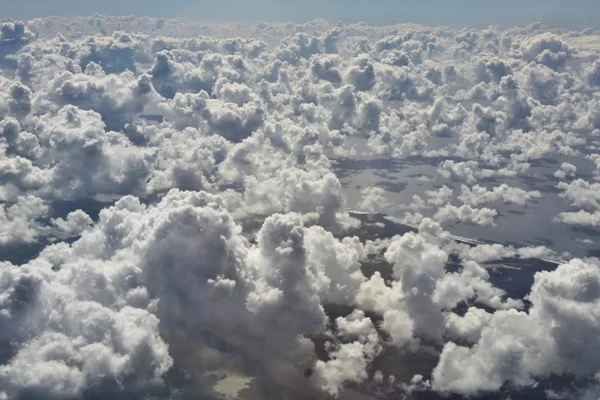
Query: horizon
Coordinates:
[454,13]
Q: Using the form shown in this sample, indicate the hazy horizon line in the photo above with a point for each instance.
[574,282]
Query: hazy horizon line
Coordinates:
[453,13]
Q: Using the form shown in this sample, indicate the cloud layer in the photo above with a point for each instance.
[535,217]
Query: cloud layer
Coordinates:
[230,156]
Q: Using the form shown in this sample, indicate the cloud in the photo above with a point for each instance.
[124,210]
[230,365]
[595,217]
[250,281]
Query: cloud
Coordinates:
[547,49]
[567,170]
[76,222]
[581,193]
[348,361]
[13,36]
[554,337]
[228,154]
[478,195]
[467,214]
[593,73]
[469,326]
[581,217]
[372,198]
[84,159]
[20,221]
[114,279]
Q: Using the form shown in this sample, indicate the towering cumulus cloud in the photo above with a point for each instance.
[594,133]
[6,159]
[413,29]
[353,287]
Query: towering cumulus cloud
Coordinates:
[206,210]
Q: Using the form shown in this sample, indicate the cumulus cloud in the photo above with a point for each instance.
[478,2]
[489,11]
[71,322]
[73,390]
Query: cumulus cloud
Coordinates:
[567,170]
[581,217]
[478,195]
[13,36]
[132,302]
[466,214]
[174,199]
[593,73]
[547,49]
[554,337]
[348,361]
[74,224]
[372,198]
[20,221]
[581,193]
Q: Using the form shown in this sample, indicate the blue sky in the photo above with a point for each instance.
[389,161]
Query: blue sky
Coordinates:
[578,13]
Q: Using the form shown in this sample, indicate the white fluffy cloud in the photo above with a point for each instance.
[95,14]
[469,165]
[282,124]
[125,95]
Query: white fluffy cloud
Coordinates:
[584,195]
[514,347]
[372,199]
[124,279]
[227,151]
[349,361]
[567,170]
[466,214]
[478,195]
[74,224]
[19,221]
